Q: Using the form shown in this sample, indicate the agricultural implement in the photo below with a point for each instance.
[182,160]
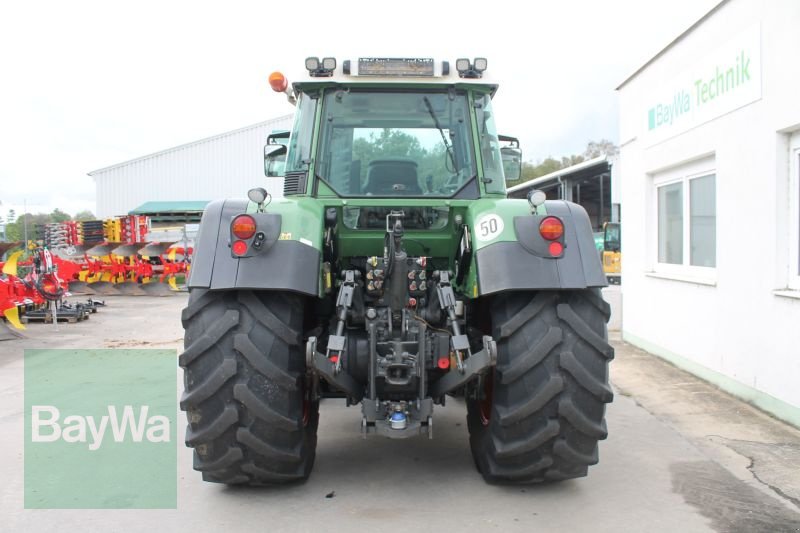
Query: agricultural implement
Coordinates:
[117,258]
[38,295]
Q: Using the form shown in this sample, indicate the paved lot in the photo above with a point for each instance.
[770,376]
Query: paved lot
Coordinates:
[681,456]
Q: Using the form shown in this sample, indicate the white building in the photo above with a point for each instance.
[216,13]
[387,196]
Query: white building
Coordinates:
[223,166]
[710,149]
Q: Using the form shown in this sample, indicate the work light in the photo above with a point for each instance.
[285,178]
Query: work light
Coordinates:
[312,63]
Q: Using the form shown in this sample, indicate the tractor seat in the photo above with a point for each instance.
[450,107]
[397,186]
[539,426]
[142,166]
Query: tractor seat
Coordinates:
[390,177]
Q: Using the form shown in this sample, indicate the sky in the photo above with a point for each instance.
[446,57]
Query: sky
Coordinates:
[88,84]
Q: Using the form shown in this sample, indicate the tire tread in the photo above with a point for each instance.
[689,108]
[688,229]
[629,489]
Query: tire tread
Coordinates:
[243,375]
[550,389]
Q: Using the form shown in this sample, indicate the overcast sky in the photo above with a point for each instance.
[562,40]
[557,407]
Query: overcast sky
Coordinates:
[84,85]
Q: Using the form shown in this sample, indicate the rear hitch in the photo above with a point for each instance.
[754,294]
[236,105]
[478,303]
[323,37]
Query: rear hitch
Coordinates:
[476,364]
[325,368]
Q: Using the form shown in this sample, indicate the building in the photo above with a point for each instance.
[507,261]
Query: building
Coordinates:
[591,183]
[710,149]
[222,166]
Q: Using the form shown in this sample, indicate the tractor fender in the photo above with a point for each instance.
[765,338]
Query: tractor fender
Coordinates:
[525,264]
[288,265]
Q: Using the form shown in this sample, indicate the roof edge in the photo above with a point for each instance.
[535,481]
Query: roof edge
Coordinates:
[672,43]
[560,172]
[186,145]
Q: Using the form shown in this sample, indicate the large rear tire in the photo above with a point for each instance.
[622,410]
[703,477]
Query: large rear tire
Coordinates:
[247,400]
[540,415]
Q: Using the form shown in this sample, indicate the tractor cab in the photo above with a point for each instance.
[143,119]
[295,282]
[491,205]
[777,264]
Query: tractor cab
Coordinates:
[387,128]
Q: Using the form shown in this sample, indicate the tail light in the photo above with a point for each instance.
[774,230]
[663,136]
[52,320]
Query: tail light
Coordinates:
[551,228]
[239,248]
[243,226]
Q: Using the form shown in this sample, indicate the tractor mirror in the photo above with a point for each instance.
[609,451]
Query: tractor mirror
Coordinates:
[274,160]
[512,162]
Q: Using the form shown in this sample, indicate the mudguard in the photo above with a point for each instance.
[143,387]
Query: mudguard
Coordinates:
[526,264]
[282,265]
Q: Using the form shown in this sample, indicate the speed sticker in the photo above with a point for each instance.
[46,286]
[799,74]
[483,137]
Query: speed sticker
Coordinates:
[488,227]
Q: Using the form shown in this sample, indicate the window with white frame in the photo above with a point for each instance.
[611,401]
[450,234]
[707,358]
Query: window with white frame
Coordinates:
[794,212]
[686,219]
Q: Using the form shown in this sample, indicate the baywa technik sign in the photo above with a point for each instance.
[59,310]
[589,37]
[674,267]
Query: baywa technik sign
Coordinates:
[721,81]
[100,429]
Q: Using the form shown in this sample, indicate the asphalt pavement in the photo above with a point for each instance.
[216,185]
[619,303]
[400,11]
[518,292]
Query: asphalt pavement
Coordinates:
[680,456]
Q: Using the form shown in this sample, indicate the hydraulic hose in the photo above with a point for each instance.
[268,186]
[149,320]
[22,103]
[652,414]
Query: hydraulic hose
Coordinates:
[53,296]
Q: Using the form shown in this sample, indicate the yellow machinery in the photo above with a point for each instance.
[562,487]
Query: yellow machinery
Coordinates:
[612,256]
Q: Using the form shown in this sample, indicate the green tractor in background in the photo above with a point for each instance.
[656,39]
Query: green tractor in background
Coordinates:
[394,273]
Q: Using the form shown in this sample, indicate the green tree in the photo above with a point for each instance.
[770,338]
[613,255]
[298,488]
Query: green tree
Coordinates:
[13,232]
[16,231]
[531,170]
[84,215]
[12,216]
[568,161]
[59,216]
[593,149]
[601,147]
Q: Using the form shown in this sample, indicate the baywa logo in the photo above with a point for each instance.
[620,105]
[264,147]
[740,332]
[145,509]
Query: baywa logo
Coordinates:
[701,92]
[85,429]
[100,429]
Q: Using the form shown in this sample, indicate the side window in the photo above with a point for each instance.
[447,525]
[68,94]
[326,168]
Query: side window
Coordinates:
[302,133]
[670,223]
[489,145]
[686,219]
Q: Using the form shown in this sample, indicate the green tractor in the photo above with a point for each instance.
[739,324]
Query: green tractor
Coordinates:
[394,273]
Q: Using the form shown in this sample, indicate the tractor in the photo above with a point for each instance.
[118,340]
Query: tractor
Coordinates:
[394,273]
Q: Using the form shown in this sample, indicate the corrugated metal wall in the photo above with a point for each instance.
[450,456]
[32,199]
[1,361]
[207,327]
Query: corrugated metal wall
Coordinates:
[224,166]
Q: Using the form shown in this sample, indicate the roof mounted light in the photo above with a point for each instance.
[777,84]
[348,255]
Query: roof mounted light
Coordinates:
[278,82]
[474,69]
[312,63]
[317,69]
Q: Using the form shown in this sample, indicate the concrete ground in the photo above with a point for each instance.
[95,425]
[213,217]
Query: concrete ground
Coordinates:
[681,456]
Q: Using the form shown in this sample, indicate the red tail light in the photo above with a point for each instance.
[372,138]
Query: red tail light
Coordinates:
[551,228]
[239,248]
[244,226]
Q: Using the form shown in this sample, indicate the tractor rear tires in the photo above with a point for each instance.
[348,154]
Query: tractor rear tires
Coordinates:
[540,415]
[252,419]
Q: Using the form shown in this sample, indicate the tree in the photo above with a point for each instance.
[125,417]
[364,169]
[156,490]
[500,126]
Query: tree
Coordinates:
[531,171]
[13,231]
[568,161]
[59,216]
[84,215]
[12,216]
[16,231]
[549,165]
[601,147]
